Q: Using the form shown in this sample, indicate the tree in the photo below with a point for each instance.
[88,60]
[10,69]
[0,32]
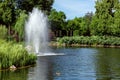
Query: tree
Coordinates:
[19,26]
[57,20]
[88,19]
[9,8]
[116,25]
[11,13]
[74,26]
[28,5]
[103,18]
[7,12]
[83,27]
[3,32]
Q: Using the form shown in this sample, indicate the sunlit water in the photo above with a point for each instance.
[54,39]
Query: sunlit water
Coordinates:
[76,64]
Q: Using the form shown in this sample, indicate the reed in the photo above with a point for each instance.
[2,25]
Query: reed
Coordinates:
[14,54]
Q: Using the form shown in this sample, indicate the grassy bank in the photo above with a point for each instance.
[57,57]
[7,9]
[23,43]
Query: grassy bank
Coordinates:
[14,54]
[105,41]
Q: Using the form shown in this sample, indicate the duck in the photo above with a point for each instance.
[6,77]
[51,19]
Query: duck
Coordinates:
[58,73]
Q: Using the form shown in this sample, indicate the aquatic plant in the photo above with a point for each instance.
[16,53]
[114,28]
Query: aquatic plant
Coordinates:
[14,54]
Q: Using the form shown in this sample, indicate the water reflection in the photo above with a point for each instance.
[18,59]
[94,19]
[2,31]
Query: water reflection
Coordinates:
[107,64]
[14,75]
[77,64]
[42,71]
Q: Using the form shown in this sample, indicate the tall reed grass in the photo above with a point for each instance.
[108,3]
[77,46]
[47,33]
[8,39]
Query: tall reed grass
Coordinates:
[14,54]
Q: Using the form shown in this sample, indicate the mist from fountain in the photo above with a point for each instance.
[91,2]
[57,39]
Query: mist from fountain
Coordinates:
[36,30]
[36,34]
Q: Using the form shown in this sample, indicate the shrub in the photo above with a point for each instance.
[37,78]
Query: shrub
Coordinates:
[91,40]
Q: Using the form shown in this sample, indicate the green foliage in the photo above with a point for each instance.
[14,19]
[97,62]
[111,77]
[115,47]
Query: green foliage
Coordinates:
[76,33]
[28,5]
[106,18]
[92,40]
[116,25]
[105,21]
[3,32]
[6,12]
[20,25]
[84,28]
[73,24]
[57,20]
[14,54]
[87,19]
[12,14]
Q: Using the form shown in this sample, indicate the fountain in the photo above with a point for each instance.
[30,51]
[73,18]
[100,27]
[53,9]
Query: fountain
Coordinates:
[36,30]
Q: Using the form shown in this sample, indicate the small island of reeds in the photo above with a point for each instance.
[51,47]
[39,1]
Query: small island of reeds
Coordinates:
[14,54]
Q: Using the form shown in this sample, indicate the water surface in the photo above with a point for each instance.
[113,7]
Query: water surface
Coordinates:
[76,64]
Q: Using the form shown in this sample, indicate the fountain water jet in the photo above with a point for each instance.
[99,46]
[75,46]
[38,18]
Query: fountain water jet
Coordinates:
[36,30]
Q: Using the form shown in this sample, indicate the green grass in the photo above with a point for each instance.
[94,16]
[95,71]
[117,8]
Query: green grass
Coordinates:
[90,40]
[14,54]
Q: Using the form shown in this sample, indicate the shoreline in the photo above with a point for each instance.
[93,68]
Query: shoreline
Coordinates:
[88,41]
[22,67]
[57,44]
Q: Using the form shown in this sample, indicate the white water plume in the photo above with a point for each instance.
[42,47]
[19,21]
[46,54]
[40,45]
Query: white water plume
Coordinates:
[36,30]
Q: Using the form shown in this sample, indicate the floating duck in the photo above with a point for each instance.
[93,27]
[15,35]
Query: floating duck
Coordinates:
[58,73]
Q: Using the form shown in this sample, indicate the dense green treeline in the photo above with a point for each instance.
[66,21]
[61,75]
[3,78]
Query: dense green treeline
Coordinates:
[106,19]
[14,13]
[104,22]
[76,26]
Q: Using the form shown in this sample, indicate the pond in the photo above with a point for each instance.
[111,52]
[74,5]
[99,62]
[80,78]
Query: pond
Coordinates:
[76,64]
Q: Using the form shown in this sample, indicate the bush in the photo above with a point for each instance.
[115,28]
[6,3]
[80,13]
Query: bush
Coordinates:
[91,40]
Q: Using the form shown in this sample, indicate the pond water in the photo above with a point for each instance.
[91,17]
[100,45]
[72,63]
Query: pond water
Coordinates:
[76,64]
